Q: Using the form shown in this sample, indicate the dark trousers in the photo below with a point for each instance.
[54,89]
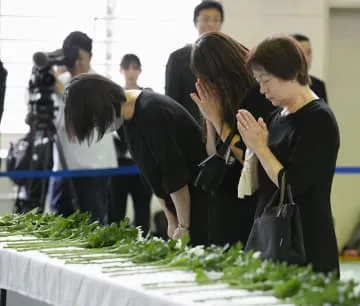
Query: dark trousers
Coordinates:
[141,194]
[35,191]
[230,218]
[93,195]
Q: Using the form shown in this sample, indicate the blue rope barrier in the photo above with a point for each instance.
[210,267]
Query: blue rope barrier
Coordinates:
[123,170]
[347,170]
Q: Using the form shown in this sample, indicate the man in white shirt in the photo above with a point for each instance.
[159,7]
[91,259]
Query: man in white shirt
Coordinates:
[92,193]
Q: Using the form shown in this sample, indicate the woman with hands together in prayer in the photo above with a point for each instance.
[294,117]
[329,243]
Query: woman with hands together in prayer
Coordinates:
[223,86]
[254,132]
[301,139]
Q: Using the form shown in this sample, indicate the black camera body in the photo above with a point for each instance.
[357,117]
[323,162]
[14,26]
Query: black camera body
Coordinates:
[42,85]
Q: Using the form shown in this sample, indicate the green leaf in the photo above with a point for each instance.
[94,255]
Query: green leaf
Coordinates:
[122,242]
[202,278]
[287,288]
[185,240]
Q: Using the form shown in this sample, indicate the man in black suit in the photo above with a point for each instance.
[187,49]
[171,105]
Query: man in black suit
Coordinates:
[317,85]
[180,81]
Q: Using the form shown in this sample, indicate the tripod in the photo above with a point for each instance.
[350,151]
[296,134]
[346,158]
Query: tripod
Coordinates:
[41,119]
[43,135]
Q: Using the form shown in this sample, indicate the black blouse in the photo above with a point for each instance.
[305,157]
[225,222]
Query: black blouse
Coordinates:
[307,143]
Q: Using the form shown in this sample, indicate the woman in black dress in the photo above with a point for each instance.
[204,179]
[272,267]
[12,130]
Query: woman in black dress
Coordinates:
[301,139]
[163,138]
[219,63]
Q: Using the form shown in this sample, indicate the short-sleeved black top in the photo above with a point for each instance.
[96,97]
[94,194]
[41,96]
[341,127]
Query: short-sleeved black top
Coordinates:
[165,142]
[307,143]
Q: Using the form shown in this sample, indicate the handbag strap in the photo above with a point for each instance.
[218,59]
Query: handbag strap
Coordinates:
[225,146]
[284,187]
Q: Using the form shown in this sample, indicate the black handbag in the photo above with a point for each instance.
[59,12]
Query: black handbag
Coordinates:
[213,168]
[277,232]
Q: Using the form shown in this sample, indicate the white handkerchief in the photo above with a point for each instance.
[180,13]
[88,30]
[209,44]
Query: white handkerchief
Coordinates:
[249,181]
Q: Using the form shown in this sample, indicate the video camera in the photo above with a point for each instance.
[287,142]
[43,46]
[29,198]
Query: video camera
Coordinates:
[42,85]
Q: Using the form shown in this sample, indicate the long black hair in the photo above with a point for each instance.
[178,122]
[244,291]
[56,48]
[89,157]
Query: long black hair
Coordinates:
[92,103]
[220,62]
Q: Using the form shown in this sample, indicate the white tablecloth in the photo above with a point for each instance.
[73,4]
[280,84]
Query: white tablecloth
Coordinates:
[50,280]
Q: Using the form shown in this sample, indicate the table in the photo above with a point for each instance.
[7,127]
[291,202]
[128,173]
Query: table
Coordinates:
[50,280]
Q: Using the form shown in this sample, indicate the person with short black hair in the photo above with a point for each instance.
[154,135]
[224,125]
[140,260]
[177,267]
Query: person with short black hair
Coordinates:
[301,139]
[164,140]
[180,81]
[134,185]
[202,13]
[317,85]
[130,68]
[130,60]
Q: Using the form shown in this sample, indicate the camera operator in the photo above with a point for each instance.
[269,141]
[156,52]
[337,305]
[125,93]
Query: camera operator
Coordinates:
[92,193]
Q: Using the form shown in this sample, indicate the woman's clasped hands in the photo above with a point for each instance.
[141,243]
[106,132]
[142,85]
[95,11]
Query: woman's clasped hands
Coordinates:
[253,132]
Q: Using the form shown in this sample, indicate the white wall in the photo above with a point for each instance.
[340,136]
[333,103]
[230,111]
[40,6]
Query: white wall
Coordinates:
[250,21]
